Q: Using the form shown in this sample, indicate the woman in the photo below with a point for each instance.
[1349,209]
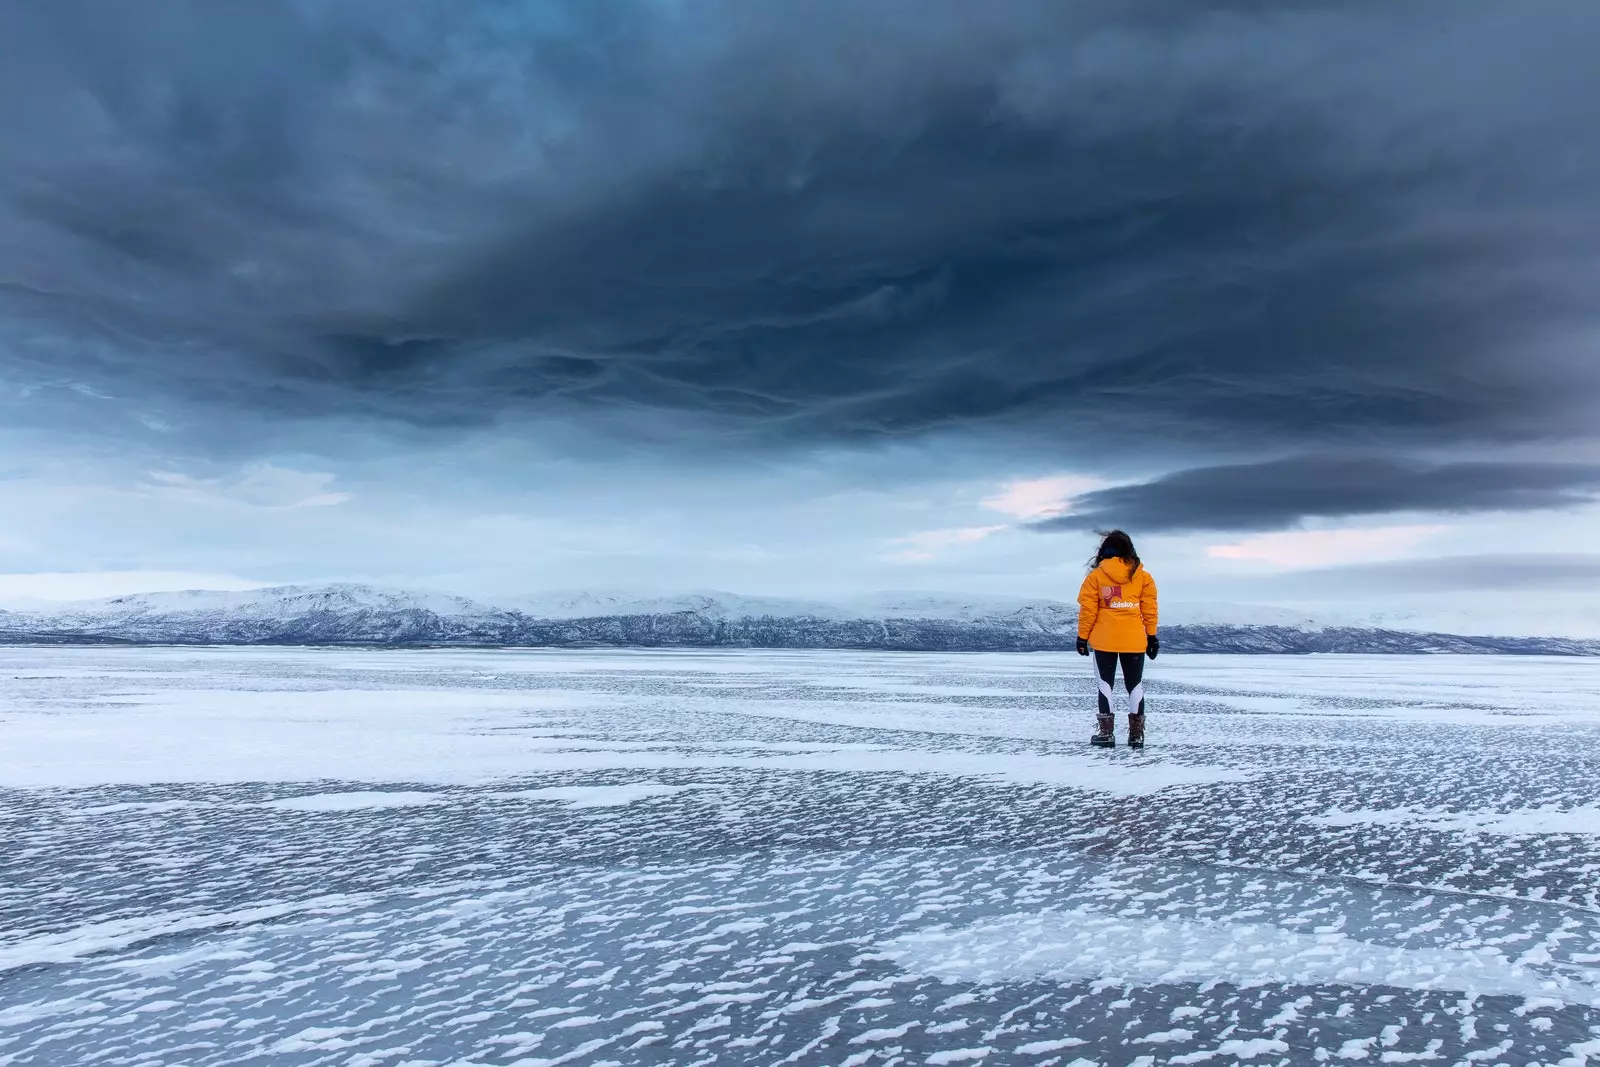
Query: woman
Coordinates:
[1117,622]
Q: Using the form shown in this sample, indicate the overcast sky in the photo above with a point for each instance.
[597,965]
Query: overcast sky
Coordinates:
[803,298]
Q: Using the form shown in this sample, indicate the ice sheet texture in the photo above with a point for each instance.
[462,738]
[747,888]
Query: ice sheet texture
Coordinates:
[358,858]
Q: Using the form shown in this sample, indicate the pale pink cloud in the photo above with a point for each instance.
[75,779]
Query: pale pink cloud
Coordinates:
[1040,498]
[925,545]
[1324,548]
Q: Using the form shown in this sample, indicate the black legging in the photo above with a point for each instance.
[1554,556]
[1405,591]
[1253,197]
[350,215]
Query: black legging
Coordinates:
[1105,668]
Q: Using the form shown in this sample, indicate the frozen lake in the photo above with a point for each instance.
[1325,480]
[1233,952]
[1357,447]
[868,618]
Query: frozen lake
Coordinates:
[370,859]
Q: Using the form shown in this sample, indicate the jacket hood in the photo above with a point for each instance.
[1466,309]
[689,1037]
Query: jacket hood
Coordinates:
[1115,569]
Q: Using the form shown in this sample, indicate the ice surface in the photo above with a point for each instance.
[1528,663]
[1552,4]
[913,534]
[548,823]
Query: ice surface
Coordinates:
[594,796]
[1081,943]
[480,733]
[1517,823]
[353,800]
[96,938]
[368,859]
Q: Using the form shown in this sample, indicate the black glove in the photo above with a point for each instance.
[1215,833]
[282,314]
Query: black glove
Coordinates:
[1152,646]
[1083,646]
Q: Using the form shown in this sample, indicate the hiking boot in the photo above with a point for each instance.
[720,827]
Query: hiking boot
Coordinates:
[1105,735]
[1136,730]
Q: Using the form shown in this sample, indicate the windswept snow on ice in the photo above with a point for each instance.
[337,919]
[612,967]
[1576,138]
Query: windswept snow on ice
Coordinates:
[95,939]
[594,796]
[266,857]
[1084,944]
[355,800]
[504,716]
[136,805]
[1522,822]
[1512,691]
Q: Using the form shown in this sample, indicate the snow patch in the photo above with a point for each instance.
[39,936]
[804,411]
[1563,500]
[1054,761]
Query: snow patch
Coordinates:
[1039,1048]
[1523,822]
[595,796]
[1237,1049]
[76,943]
[1083,944]
[352,801]
[142,805]
[148,733]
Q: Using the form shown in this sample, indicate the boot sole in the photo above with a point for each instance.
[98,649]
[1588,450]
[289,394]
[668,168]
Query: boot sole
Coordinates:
[1103,744]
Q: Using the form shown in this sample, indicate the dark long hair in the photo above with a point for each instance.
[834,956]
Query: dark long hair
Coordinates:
[1114,544]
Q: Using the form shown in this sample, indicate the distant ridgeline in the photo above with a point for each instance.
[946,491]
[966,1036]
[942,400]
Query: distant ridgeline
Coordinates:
[363,616]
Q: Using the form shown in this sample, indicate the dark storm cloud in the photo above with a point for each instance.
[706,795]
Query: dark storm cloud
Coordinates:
[1276,494]
[1113,230]
[1511,571]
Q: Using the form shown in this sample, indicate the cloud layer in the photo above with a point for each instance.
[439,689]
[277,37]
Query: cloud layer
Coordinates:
[1236,226]
[1569,573]
[1279,493]
[1102,237]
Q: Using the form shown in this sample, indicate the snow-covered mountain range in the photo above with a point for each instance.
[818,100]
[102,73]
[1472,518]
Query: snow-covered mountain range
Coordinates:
[346,614]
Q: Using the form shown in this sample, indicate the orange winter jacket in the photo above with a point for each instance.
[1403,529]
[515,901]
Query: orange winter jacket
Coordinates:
[1115,612]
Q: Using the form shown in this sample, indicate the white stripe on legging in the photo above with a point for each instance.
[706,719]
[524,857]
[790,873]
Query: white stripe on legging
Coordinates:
[1105,686]
[1135,698]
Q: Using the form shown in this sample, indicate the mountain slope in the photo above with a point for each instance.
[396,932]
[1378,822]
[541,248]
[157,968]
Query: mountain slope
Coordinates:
[363,615]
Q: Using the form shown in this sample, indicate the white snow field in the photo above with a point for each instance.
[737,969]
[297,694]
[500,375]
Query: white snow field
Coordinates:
[480,859]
